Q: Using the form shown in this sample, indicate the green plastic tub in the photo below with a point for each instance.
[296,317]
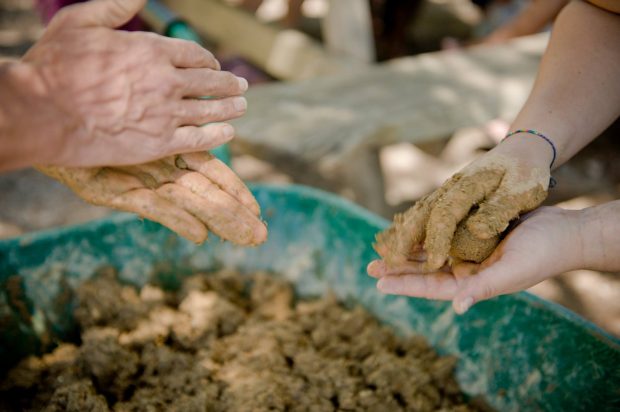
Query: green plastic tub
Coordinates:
[519,352]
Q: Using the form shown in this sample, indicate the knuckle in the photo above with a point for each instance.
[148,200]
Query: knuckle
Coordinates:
[64,16]
[173,83]
[192,51]
[210,57]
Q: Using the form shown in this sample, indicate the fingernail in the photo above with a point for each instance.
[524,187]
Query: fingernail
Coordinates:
[465,305]
[385,286]
[240,104]
[372,267]
[243,83]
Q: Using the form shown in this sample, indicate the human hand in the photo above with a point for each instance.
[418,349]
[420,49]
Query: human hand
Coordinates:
[105,97]
[188,193]
[547,242]
[465,216]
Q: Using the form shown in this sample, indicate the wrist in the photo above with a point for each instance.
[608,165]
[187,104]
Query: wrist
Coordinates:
[599,231]
[30,128]
[527,147]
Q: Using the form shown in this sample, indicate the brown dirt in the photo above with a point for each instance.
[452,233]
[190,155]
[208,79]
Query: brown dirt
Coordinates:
[227,342]
[467,247]
[465,217]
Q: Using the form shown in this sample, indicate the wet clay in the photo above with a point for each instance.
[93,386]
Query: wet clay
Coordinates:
[226,342]
[464,219]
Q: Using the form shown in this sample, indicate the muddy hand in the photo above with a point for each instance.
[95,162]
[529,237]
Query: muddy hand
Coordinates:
[190,194]
[464,217]
[540,247]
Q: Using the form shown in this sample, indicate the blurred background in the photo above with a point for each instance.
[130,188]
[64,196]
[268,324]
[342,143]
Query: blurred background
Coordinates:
[378,101]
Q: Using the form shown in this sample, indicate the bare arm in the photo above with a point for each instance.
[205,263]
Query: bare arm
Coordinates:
[534,18]
[577,92]
[600,237]
[575,97]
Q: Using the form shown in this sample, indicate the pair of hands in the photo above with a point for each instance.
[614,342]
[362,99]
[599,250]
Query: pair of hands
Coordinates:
[125,99]
[448,245]
[541,246]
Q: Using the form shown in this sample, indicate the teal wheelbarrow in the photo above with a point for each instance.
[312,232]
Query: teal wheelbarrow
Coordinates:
[519,352]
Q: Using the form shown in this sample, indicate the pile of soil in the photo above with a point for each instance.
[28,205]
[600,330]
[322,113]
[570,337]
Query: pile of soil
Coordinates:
[226,342]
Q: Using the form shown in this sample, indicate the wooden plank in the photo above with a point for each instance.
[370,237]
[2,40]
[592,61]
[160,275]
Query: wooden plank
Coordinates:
[412,99]
[347,30]
[285,54]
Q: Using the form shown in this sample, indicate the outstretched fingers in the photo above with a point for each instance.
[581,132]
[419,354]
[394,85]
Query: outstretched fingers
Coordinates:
[222,213]
[217,172]
[148,204]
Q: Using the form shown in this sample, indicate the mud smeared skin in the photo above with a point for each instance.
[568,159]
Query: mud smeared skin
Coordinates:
[466,216]
[191,194]
[227,342]
[402,239]
[466,247]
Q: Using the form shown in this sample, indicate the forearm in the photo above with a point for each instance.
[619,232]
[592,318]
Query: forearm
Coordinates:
[600,237]
[577,92]
[28,133]
[534,18]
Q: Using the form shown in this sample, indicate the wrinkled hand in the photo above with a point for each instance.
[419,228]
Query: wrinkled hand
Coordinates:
[107,97]
[189,193]
[544,244]
[464,218]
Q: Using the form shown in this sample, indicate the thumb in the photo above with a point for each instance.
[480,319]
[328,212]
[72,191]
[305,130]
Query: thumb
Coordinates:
[102,13]
[499,278]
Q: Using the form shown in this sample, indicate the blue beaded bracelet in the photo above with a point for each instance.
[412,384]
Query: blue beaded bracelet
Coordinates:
[552,181]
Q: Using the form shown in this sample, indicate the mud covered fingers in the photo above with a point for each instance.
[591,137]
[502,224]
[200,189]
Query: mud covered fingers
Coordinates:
[519,192]
[220,174]
[464,219]
[402,241]
[216,209]
[453,207]
[208,190]
[151,205]
[189,195]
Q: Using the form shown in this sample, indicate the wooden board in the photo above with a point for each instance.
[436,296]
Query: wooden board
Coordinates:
[285,54]
[412,99]
[347,30]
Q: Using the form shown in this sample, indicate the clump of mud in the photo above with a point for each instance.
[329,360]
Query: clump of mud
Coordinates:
[226,342]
